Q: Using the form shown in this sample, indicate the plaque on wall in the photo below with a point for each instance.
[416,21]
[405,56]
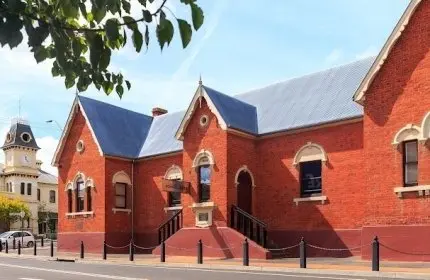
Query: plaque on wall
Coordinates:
[175,186]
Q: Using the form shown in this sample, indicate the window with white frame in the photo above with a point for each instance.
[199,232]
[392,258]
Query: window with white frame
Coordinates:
[121,195]
[410,163]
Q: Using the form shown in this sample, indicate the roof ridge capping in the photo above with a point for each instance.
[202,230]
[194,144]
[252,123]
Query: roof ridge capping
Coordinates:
[318,72]
[359,95]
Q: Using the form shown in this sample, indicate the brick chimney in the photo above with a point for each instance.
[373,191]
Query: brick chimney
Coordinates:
[157,111]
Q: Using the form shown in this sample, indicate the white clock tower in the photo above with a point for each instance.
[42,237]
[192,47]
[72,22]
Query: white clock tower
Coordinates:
[21,171]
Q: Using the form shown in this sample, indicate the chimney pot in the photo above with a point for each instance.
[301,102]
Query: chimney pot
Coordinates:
[157,111]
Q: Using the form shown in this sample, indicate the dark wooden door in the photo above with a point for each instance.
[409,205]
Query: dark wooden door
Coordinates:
[244,192]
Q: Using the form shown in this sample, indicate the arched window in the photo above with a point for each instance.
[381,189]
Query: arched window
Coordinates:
[309,158]
[121,181]
[203,163]
[80,195]
[174,174]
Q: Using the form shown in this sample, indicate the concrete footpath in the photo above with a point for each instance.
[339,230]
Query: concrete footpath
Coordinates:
[336,266]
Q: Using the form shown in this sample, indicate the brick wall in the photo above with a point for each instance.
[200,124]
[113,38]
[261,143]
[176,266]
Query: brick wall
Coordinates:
[91,164]
[278,180]
[399,95]
[214,139]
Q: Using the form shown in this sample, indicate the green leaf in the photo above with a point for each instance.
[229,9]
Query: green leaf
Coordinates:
[186,32]
[105,59]
[164,32]
[100,4]
[83,9]
[197,15]
[69,82]
[89,17]
[16,6]
[40,54]
[55,70]
[107,87]
[70,8]
[77,47]
[137,40]
[83,83]
[147,37]
[147,15]
[128,84]
[119,90]
[126,6]
[99,14]
[15,38]
[96,48]
[111,27]
[131,24]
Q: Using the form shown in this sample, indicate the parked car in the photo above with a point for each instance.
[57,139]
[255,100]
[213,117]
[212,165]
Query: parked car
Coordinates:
[25,237]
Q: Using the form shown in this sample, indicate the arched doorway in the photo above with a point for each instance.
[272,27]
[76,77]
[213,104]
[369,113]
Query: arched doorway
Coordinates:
[244,191]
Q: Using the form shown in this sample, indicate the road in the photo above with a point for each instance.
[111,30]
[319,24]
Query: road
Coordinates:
[31,269]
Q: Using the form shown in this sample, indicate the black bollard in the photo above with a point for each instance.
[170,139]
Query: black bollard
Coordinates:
[375,254]
[200,252]
[19,247]
[41,242]
[104,250]
[131,257]
[14,244]
[163,252]
[6,247]
[82,249]
[35,248]
[303,253]
[52,248]
[246,253]
[1,247]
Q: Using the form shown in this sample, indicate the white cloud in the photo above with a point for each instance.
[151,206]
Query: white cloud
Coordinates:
[370,51]
[334,56]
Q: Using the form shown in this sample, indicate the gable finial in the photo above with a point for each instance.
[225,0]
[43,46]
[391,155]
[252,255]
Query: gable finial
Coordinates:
[200,80]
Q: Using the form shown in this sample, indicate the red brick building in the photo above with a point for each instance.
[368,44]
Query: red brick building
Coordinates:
[336,157]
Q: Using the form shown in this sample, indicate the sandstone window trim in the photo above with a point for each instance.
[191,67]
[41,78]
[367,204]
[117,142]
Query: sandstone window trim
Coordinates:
[245,169]
[121,210]
[310,152]
[83,214]
[121,177]
[203,209]
[407,133]
[425,127]
[174,172]
[320,198]
[204,157]
[422,190]
[121,182]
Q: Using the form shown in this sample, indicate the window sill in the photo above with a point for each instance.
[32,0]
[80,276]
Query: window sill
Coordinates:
[173,208]
[421,190]
[84,214]
[321,198]
[114,210]
[203,205]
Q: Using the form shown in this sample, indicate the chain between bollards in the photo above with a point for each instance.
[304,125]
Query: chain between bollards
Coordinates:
[131,252]
[163,252]
[82,249]
[200,252]
[52,248]
[104,250]
[35,248]
[246,252]
[303,253]
[375,254]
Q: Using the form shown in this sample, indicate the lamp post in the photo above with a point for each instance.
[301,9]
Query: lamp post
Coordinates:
[56,123]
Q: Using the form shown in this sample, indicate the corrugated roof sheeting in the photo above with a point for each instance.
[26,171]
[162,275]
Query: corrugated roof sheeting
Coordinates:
[161,137]
[120,132]
[46,178]
[309,100]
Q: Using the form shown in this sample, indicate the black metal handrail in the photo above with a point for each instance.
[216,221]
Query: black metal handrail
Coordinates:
[248,225]
[170,227]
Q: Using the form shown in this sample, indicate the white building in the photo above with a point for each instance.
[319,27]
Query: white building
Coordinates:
[22,177]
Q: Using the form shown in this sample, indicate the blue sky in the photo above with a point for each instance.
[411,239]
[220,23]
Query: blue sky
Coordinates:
[244,44]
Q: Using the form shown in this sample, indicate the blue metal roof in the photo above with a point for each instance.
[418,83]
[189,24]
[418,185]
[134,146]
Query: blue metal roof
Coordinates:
[161,137]
[120,132]
[236,114]
[309,100]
